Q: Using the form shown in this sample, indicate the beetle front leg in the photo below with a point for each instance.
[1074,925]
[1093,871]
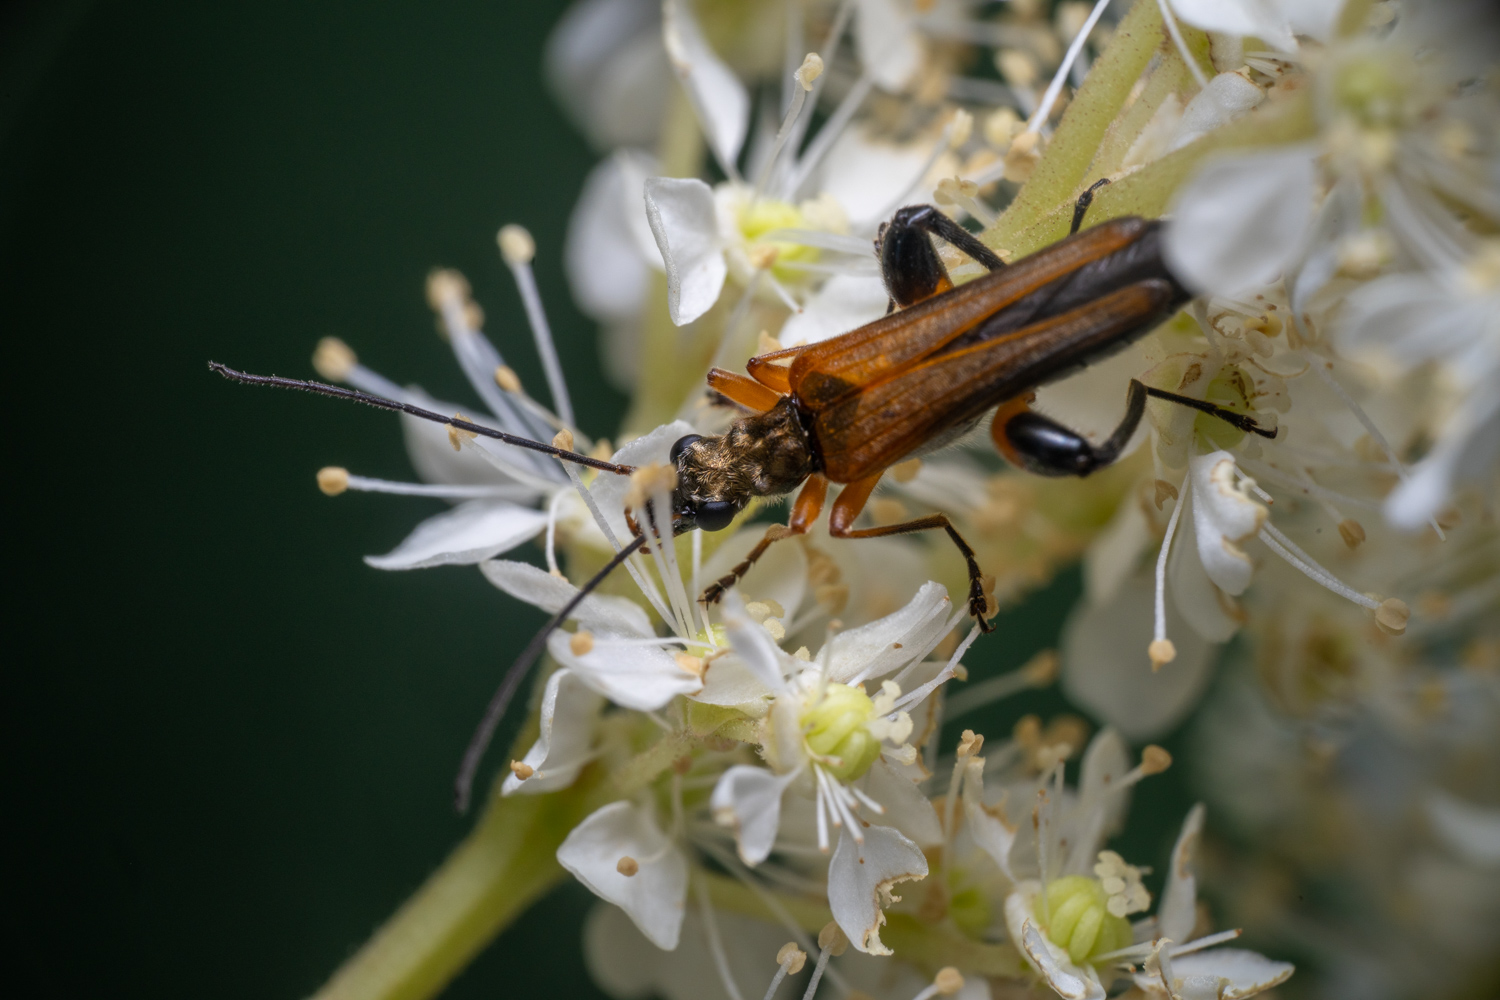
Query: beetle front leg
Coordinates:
[805,511]
[852,500]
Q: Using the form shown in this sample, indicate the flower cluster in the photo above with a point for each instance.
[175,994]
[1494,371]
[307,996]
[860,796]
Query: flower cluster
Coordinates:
[727,777]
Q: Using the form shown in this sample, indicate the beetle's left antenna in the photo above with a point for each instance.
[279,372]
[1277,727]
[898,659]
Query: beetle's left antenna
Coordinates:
[463,785]
[380,402]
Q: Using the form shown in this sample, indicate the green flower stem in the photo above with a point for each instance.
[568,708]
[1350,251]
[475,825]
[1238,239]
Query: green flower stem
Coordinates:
[507,863]
[1171,76]
[1098,102]
[1148,192]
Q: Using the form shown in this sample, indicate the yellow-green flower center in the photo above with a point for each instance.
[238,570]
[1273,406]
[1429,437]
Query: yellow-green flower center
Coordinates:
[1372,89]
[1076,918]
[767,215]
[835,730]
[1231,389]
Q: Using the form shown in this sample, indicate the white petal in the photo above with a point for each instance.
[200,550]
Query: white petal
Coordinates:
[627,968]
[730,682]
[569,708]
[717,95]
[1178,911]
[1262,18]
[906,808]
[748,799]
[1101,803]
[887,43]
[1314,18]
[1227,973]
[1106,672]
[1115,553]
[875,649]
[1092,401]
[431,451]
[606,270]
[754,646]
[1224,515]
[990,826]
[467,534]
[866,174]
[1241,220]
[686,226]
[628,674]
[1227,97]
[654,896]
[1066,979]
[608,490]
[537,587]
[860,877]
[1338,217]
[845,302]
[1196,599]
[606,63]
[1470,831]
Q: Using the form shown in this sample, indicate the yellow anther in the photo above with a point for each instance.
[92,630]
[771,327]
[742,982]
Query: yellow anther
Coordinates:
[457,435]
[948,981]
[832,938]
[333,480]
[1392,616]
[334,359]
[581,643]
[627,866]
[1352,532]
[810,70]
[1161,652]
[1155,760]
[563,439]
[792,957]
[516,244]
[521,770]
[507,379]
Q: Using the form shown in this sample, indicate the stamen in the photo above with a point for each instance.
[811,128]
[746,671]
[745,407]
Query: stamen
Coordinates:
[1304,563]
[822,817]
[333,480]
[336,361]
[715,942]
[791,959]
[1187,56]
[1044,108]
[916,695]
[1161,651]
[809,71]
[830,131]
[832,943]
[551,544]
[521,770]
[518,248]
[1038,672]
[946,983]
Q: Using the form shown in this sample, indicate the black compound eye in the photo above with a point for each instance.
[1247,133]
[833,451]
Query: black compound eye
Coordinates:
[715,515]
[680,446]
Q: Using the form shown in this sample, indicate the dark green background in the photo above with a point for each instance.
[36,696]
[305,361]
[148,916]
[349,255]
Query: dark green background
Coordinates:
[229,744]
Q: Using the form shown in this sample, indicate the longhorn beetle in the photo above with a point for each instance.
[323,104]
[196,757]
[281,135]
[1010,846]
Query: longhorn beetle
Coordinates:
[845,410]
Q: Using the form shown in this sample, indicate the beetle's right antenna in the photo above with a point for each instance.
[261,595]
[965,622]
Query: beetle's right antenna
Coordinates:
[464,784]
[380,402]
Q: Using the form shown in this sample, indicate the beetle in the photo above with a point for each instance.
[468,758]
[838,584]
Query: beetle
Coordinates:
[846,409]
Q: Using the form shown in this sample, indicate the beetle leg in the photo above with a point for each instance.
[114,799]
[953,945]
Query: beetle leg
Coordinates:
[1081,206]
[1041,445]
[805,511]
[852,500]
[910,264]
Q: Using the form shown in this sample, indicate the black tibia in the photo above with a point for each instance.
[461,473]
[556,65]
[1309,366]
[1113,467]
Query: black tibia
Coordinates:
[1047,448]
[1081,206]
[909,262]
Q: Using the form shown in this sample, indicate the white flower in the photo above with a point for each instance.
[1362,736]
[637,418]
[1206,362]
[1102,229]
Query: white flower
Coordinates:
[718,98]
[848,750]
[1275,22]
[1451,316]
[621,854]
[606,62]
[500,486]
[566,718]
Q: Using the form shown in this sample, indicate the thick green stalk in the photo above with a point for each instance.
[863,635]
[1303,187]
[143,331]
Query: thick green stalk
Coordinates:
[506,864]
[1148,191]
[1088,117]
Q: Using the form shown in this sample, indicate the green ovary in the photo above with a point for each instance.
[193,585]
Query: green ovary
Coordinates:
[1076,918]
[768,215]
[835,727]
[1373,89]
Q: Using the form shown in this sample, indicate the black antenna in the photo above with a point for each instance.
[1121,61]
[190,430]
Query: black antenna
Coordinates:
[463,785]
[355,396]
